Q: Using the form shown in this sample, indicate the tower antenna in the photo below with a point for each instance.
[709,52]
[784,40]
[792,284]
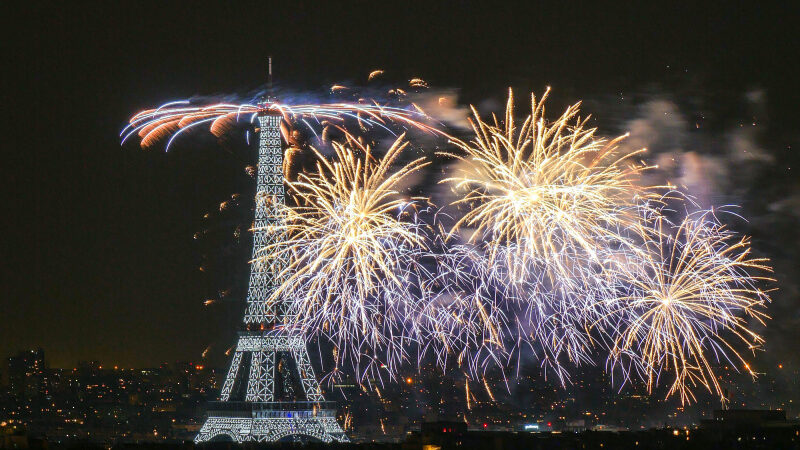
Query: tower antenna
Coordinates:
[269,78]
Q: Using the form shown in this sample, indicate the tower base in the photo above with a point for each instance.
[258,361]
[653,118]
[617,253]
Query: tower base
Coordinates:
[271,422]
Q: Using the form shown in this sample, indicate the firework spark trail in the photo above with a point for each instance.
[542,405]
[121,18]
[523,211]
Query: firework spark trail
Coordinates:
[377,332]
[693,289]
[170,120]
[356,256]
[488,389]
[467,393]
[549,205]
[374,73]
[465,318]
[564,251]
[485,322]
[174,118]
[552,190]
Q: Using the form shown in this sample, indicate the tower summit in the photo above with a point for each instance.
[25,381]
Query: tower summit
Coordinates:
[270,392]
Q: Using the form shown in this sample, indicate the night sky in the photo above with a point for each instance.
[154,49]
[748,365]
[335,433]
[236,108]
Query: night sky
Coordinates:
[98,256]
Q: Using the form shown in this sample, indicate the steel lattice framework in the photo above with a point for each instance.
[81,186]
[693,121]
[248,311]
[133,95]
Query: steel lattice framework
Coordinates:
[249,409]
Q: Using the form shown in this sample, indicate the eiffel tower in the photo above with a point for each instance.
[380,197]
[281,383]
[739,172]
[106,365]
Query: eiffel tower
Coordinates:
[270,392]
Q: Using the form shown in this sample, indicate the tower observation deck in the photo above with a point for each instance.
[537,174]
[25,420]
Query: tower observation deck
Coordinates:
[270,392]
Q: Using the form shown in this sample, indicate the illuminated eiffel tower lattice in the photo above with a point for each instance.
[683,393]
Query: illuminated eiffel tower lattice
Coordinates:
[270,392]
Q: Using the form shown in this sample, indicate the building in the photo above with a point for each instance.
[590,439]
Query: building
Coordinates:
[742,419]
[27,375]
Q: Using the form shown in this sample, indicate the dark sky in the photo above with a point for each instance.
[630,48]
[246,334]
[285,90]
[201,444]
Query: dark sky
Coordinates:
[98,257]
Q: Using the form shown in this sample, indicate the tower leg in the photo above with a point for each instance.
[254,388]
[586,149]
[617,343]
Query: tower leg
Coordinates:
[310,385]
[257,383]
[231,378]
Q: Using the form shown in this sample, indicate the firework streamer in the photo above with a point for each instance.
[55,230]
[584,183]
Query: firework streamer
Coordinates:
[685,303]
[548,206]
[175,118]
[357,257]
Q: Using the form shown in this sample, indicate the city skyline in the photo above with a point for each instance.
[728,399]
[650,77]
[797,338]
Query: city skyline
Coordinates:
[167,401]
